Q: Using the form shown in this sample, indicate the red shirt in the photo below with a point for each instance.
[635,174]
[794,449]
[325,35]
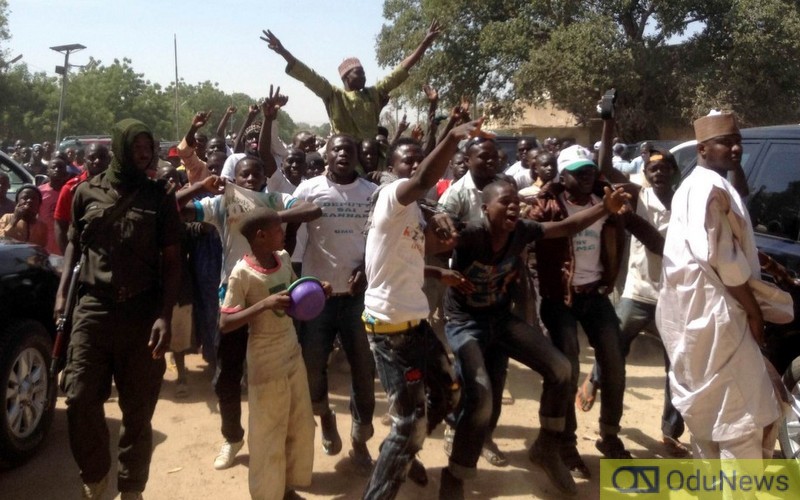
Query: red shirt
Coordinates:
[64,204]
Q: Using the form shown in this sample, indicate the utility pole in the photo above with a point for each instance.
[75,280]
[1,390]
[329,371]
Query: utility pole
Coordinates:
[64,71]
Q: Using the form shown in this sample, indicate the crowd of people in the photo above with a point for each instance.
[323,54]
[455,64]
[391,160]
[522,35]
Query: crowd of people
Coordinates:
[438,263]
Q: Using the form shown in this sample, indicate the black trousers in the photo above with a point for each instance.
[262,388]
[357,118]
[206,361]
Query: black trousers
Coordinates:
[109,340]
[231,355]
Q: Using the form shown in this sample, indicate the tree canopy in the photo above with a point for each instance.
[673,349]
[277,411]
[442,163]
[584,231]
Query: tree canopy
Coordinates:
[671,61]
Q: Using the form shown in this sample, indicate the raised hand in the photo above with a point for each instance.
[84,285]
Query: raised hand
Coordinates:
[417,133]
[616,202]
[434,30]
[272,41]
[273,103]
[430,93]
[472,129]
[231,110]
[252,110]
[200,119]
[403,125]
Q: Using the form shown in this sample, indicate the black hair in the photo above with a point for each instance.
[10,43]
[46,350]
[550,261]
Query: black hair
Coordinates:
[250,158]
[314,157]
[478,139]
[257,219]
[489,192]
[383,131]
[402,141]
[26,187]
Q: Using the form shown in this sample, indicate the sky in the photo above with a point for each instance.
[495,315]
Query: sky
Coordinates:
[217,41]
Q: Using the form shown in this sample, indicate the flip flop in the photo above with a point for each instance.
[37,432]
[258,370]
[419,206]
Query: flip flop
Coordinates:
[587,394]
[675,448]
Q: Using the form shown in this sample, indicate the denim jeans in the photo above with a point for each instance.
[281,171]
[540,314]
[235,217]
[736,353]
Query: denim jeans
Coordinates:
[598,319]
[421,386]
[342,316]
[635,316]
[479,345]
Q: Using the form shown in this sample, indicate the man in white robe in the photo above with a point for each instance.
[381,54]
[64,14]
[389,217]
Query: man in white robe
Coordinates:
[709,320]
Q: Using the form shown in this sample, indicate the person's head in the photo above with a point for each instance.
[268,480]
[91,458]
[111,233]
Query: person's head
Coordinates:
[305,141]
[263,230]
[294,165]
[29,198]
[134,152]
[546,167]
[47,150]
[5,184]
[57,173]
[458,165]
[70,154]
[578,172]
[619,149]
[644,151]
[37,152]
[405,156]
[502,159]
[342,157]
[173,157]
[251,138]
[215,144]
[215,161]
[26,154]
[315,164]
[524,145]
[552,144]
[352,73]
[501,206]
[529,160]
[661,170]
[18,145]
[97,159]
[719,142]
[201,141]
[80,156]
[481,158]
[368,155]
[249,173]
[170,174]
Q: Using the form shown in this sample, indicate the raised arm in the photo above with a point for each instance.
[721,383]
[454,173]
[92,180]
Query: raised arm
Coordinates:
[223,122]
[613,202]
[196,169]
[433,166]
[252,112]
[270,108]
[604,155]
[401,127]
[433,102]
[433,31]
[274,44]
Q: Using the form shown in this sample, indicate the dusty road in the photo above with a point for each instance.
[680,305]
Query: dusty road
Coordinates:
[187,438]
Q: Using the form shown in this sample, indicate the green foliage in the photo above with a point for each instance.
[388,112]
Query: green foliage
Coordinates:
[736,54]
[100,95]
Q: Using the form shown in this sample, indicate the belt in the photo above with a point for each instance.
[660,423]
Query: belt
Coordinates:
[594,288]
[119,295]
[380,327]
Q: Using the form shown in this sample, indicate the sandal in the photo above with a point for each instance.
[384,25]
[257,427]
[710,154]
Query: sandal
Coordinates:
[675,448]
[493,455]
[587,394]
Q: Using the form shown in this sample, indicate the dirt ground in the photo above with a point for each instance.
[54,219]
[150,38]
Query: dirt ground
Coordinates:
[187,438]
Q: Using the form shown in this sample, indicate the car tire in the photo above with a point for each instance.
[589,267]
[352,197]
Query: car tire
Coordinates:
[29,402]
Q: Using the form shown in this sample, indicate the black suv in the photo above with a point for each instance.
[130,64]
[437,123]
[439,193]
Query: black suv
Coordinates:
[28,285]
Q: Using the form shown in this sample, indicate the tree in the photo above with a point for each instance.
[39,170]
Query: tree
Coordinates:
[511,52]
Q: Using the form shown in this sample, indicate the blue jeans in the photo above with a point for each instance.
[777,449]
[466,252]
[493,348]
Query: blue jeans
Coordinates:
[342,316]
[206,258]
[598,319]
[484,342]
[635,316]
[418,378]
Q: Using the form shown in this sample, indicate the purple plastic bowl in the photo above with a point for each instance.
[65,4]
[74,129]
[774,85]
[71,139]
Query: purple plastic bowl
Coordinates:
[308,299]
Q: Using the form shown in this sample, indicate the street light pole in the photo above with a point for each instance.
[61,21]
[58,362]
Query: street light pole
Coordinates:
[63,71]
